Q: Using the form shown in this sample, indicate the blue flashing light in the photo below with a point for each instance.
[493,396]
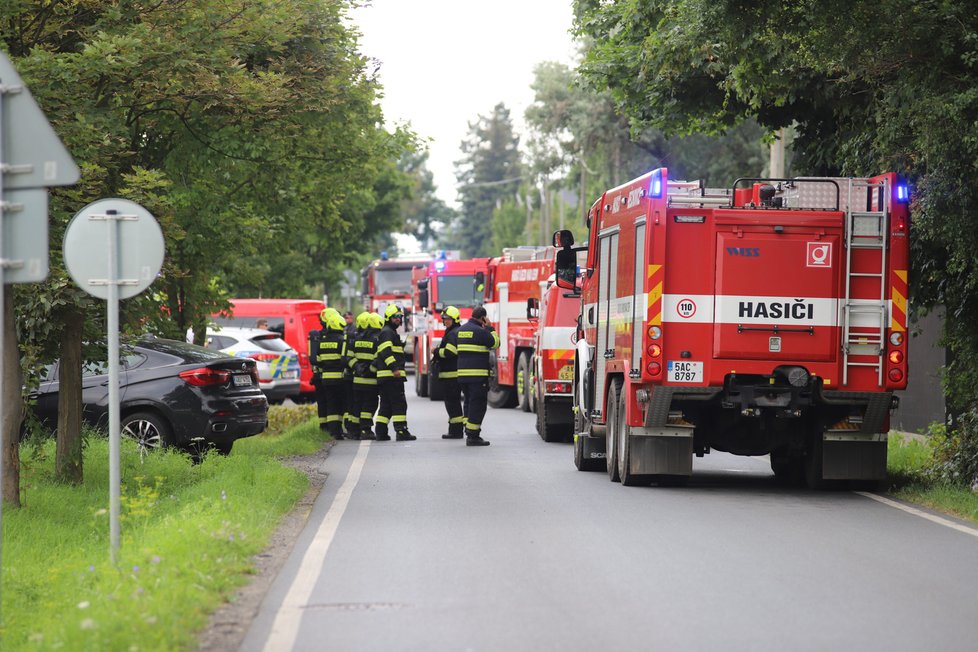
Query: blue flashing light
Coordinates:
[440,266]
[384,255]
[655,187]
[903,193]
[441,254]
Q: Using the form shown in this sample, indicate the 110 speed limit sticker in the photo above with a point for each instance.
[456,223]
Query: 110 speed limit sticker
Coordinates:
[685,371]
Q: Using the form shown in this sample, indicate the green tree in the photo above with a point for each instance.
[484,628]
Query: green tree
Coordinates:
[249,128]
[488,173]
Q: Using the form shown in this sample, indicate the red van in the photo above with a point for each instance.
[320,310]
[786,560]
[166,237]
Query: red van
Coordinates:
[293,318]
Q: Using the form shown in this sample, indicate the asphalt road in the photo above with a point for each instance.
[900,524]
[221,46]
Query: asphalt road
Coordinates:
[430,545]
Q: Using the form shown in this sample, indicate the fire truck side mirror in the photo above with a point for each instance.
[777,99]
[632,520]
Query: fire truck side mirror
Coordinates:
[563,239]
[479,283]
[566,269]
[532,308]
[423,293]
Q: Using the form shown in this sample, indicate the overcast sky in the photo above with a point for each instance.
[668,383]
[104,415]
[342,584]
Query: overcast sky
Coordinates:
[446,62]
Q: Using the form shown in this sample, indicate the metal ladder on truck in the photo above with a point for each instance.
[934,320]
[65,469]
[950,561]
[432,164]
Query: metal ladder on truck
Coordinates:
[866,228]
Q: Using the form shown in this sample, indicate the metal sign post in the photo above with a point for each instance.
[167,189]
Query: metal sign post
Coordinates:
[32,159]
[113,250]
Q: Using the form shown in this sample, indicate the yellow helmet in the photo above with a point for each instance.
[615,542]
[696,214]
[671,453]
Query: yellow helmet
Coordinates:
[363,320]
[376,321]
[452,312]
[327,314]
[336,322]
[392,311]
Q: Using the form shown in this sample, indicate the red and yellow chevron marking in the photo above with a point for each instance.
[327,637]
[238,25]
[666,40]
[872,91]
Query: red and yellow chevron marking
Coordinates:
[655,280]
[898,297]
[560,354]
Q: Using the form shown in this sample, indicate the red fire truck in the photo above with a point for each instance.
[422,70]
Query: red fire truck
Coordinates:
[552,362]
[768,318]
[388,280]
[438,284]
[515,278]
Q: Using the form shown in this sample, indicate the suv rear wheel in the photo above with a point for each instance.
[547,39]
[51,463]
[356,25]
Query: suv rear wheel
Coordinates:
[147,429]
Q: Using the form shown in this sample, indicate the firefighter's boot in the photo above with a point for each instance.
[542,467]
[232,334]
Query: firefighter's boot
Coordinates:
[454,431]
[404,435]
[474,438]
[381,432]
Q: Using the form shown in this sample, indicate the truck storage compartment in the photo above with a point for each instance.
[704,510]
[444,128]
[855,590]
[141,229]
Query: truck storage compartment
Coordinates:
[777,293]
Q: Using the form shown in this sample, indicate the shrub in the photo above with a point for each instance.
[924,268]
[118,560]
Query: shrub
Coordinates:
[955,459]
[282,418]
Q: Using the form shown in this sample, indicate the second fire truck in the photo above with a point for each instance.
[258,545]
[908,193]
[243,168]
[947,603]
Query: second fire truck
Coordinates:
[516,278]
[765,319]
[440,283]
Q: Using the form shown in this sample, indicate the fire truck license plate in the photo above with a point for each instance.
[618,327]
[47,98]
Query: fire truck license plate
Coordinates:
[685,371]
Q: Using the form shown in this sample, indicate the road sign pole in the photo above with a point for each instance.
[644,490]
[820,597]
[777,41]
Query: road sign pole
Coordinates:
[112,218]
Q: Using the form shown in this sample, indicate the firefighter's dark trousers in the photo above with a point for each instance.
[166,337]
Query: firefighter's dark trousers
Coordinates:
[393,406]
[453,405]
[364,406]
[351,420]
[474,407]
[330,404]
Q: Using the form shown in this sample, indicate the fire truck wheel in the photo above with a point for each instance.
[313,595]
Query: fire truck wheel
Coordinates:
[813,461]
[534,390]
[788,470]
[420,384]
[436,390]
[501,396]
[523,381]
[625,455]
[612,430]
[550,432]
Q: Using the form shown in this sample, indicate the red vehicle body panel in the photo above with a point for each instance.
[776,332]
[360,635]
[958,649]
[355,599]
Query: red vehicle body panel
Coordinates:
[816,280]
[450,283]
[511,284]
[294,318]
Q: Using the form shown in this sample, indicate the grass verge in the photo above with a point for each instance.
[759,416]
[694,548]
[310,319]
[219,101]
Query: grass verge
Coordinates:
[908,466]
[188,532]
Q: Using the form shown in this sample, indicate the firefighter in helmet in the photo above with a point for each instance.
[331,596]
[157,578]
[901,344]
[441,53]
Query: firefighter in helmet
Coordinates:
[327,352]
[364,373]
[391,378]
[476,338]
[446,358]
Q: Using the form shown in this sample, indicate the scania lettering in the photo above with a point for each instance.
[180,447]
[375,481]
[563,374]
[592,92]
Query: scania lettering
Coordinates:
[767,318]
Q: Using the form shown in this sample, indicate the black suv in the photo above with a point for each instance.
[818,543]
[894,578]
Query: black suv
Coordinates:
[170,394]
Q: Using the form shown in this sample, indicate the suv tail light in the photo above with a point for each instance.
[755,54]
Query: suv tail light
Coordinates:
[205,377]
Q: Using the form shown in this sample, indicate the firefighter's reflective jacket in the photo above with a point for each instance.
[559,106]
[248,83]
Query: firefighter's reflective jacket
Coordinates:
[329,355]
[363,355]
[390,354]
[474,343]
[447,354]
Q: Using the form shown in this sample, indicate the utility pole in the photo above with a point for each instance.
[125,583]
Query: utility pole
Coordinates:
[777,156]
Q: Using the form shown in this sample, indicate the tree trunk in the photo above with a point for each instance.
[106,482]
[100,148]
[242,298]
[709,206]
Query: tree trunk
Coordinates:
[68,456]
[12,404]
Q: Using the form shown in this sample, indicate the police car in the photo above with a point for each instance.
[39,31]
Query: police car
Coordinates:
[277,362]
